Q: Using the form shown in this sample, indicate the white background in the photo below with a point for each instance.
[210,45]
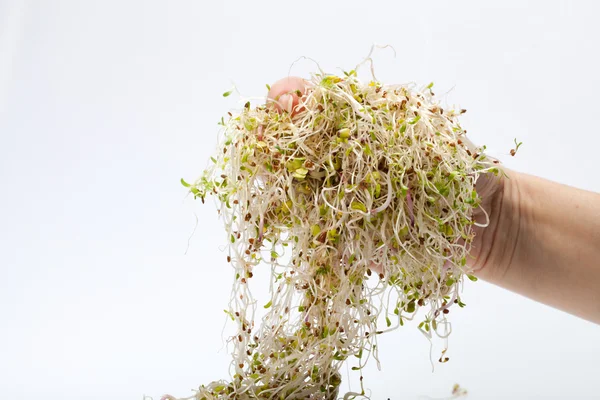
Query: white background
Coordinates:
[105,105]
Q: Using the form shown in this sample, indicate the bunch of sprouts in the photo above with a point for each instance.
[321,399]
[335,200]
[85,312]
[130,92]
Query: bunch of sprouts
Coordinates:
[360,201]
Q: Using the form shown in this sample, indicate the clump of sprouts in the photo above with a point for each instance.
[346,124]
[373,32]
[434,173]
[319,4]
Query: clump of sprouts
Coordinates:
[361,202]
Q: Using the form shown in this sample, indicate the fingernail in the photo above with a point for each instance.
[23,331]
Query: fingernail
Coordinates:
[286,101]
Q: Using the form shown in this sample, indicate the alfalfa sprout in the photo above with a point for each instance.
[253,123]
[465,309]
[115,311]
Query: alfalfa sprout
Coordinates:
[360,200]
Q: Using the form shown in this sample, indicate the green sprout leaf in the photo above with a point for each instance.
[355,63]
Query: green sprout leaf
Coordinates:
[344,133]
[184,183]
[300,173]
[403,231]
[230,315]
[472,277]
[415,120]
[410,307]
[315,230]
[294,164]
[357,205]
[517,144]
[333,235]
[226,94]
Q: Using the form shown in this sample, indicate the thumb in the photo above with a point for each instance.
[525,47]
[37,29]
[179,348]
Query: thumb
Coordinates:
[286,93]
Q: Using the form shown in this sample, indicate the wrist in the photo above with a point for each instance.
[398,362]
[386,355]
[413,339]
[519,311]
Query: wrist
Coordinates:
[495,246]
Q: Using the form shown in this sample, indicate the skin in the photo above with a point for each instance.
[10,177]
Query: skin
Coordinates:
[543,238]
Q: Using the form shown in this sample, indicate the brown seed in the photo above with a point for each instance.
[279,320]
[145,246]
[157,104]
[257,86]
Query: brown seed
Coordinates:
[446,311]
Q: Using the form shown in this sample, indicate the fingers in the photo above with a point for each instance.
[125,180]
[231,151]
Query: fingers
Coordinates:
[285,94]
